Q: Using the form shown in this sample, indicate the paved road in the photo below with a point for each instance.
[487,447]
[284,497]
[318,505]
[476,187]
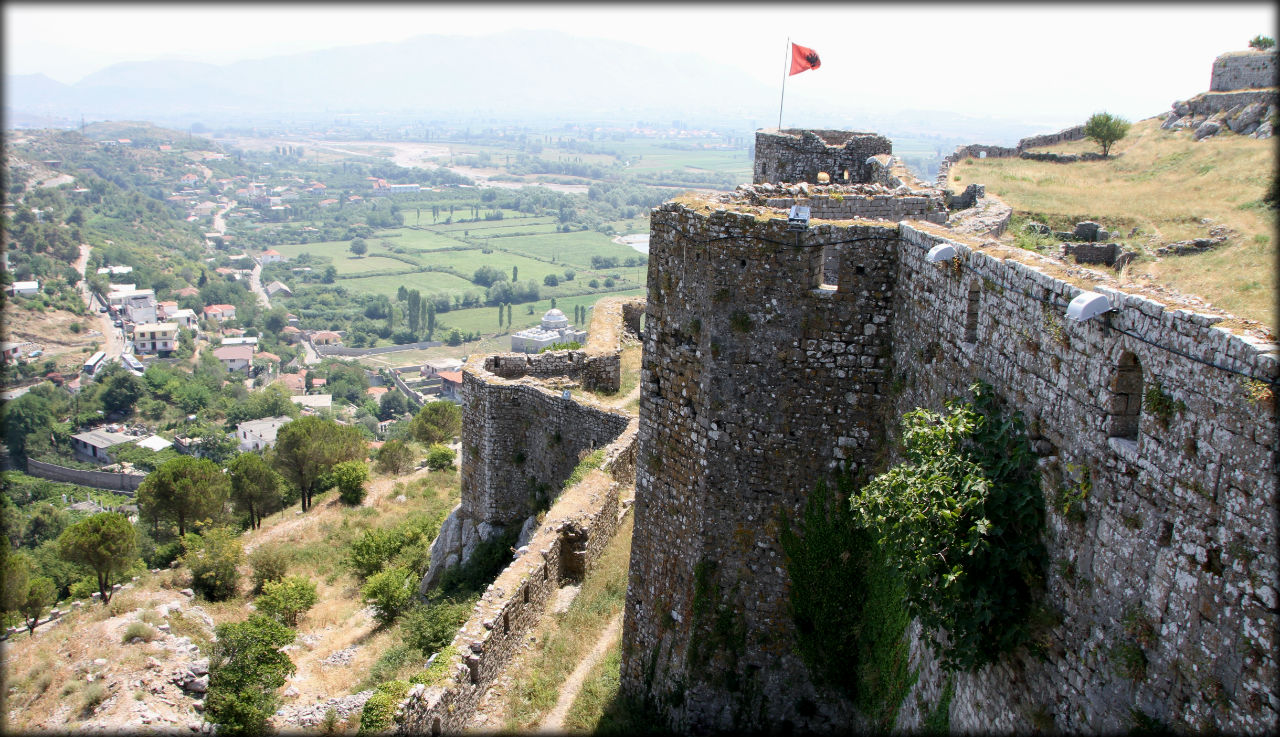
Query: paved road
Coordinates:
[113,337]
[255,283]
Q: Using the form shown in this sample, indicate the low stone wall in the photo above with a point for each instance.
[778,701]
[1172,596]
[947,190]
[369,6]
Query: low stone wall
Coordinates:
[1074,133]
[1062,158]
[567,545]
[341,350]
[122,483]
[409,394]
[1106,254]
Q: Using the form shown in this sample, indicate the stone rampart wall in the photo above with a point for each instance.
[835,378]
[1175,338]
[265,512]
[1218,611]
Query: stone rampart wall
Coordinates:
[1243,70]
[767,361]
[797,155]
[564,547]
[1179,523]
[520,442]
[124,483]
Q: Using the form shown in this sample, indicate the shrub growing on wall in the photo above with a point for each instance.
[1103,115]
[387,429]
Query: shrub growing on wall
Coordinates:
[960,520]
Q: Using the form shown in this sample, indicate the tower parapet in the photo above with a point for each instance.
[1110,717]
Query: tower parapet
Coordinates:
[798,155]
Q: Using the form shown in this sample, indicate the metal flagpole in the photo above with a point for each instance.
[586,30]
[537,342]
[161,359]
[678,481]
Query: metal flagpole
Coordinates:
[785,68]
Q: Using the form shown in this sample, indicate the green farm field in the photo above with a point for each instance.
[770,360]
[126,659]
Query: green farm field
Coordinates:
[423,281]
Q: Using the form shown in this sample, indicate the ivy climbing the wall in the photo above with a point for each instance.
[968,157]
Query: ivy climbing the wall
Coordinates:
[960,521]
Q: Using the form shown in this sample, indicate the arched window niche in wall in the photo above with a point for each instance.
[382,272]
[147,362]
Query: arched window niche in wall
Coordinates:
[1126,404]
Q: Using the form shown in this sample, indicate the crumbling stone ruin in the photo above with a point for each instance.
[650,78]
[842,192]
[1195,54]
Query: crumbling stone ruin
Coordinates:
[773,356]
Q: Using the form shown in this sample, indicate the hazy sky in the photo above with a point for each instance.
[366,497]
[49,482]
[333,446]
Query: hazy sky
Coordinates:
[1003,59]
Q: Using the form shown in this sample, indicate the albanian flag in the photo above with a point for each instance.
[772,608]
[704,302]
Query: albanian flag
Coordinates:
[802,59]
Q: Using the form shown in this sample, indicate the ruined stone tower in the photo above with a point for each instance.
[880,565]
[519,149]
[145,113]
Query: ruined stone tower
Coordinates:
[774,355]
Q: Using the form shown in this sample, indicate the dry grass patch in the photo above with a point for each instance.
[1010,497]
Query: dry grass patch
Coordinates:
[1171,188]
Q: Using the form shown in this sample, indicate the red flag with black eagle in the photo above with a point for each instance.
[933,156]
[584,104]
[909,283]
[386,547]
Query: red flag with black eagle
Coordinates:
[802,59]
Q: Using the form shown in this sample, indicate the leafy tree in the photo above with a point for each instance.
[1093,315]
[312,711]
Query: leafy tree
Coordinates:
[276,319]
[960,520]
[256,489]
[551,280]
[368,553]
[16,579]
[436,422]
[245,671]
[392,405]
[431,628]
[121,391]
[359,247]
[1261,43]
[270,563]
[308,448]
[41,594]
[185,490]
[395,456]
[440,457]
[287,599]
[105,542]
[27,422]
[388,593]
[46,523]
[214,561]
[487,275]
[330,273]
[515,274]
[350,477]
[1105,129]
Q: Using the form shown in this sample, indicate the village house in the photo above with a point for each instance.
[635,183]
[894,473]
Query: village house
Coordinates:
[271,256]
[155,337]
[23,289]
[259,434]
[92,446]
[325,337]
[314,402]
[234,357]
[220,313]
[278,287]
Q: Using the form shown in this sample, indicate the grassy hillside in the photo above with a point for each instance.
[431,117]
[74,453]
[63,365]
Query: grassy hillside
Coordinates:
[1171,188]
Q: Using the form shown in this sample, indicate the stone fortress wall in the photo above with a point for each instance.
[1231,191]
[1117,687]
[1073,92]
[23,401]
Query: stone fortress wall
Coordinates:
[1243,70]
[520,435]
[769,359]
[566,545]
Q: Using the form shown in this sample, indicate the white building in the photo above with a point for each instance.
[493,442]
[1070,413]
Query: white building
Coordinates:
[259,434]
[241,340]
[115,270]
[555,328]
[155,337]
[92,446]
[271,256]
[23,289]
[184,318]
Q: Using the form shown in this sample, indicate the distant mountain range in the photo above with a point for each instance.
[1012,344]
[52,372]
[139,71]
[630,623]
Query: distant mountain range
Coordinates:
[535,73]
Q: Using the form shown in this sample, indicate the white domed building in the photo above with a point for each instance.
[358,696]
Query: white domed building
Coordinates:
[555,328]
